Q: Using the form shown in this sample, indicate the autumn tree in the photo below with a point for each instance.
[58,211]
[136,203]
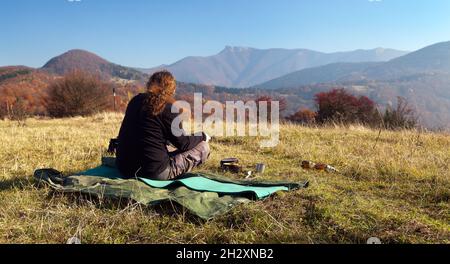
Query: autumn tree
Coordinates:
[338,105]
[24,94]
[303,116]
[78,93]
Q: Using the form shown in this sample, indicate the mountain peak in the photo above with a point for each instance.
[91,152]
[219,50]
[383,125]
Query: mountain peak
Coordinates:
[81,54]
[78,51]
[236,49]
[78,59]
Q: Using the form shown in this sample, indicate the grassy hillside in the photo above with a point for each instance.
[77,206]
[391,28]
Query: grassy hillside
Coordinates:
[396,188]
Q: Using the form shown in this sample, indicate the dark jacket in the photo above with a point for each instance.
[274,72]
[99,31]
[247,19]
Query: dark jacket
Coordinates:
[143,140]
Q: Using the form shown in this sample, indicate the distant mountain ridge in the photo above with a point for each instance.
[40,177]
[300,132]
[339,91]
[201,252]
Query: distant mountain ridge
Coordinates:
[334,72]
[431,59]
[434,59]
[244,67]
[233,67]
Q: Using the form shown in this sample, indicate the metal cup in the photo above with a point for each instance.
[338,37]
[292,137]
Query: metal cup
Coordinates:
[260,168]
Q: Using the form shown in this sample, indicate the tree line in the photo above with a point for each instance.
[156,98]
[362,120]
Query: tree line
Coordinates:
[340,107]
[81,94]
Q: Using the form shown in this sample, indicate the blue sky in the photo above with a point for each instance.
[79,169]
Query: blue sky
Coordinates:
[146,33]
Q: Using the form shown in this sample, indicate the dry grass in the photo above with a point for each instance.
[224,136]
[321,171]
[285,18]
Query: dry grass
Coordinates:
[398,191]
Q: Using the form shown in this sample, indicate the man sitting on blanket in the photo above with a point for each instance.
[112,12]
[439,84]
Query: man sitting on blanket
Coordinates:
[146,130]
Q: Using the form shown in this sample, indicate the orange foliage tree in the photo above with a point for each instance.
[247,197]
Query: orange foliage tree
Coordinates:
[303,116]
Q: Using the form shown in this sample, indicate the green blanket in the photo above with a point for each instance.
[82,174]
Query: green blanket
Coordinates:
[204,195]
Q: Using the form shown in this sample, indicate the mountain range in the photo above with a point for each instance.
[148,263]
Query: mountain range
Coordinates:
[422,76]
[431,60]
[243,67]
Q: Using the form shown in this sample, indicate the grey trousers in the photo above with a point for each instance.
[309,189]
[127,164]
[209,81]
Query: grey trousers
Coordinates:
[184,162]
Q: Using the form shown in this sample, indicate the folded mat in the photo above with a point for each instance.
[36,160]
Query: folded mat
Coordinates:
[204,195]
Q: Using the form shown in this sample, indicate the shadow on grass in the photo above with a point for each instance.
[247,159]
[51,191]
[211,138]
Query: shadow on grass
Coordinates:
[16,183]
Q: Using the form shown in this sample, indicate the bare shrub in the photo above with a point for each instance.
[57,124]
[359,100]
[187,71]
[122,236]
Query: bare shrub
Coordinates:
[19,112]
[402,117]
[15,109]
[78,93]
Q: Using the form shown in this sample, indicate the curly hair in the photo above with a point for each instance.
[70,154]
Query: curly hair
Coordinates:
[161,86]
